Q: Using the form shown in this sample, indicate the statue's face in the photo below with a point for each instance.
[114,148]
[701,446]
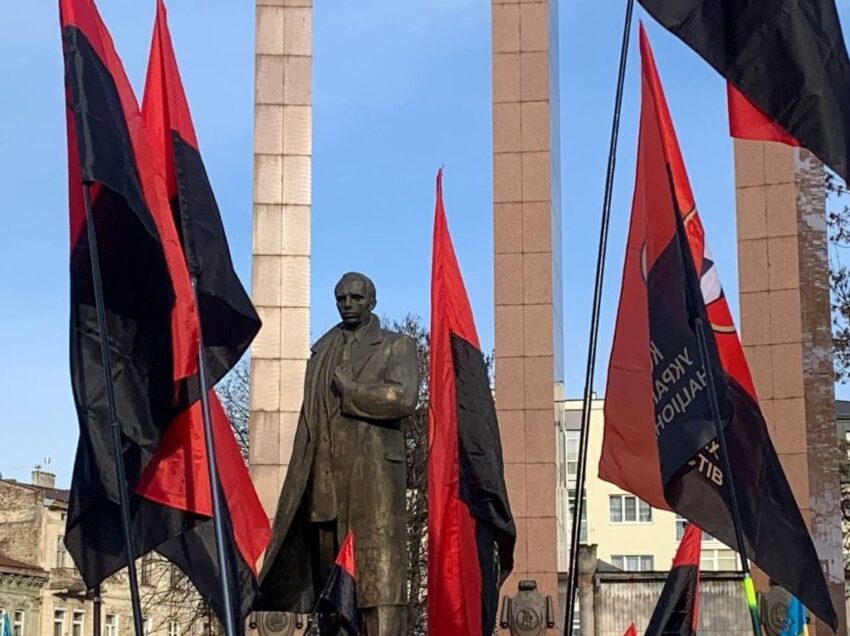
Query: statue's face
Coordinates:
[353,302]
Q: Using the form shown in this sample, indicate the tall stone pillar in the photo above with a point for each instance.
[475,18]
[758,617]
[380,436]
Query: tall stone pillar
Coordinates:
[528,299]
[281,238]
[786,331]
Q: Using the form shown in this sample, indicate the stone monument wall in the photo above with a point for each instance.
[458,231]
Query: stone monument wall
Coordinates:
[281,235]
[527,252]
[786,332]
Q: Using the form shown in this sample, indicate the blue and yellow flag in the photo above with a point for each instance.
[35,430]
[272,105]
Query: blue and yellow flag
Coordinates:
[795,620]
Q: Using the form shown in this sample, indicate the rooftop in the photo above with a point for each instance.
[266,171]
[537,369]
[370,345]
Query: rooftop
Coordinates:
[58,494]
[8,564]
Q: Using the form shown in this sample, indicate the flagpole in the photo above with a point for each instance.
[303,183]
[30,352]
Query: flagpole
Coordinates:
[117,445]
[215,486]
[749,589]
[581,474]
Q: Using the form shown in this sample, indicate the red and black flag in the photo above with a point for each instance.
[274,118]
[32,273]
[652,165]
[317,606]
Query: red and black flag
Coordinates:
[631,631]
[787,58]
[149,310]
[471,532]
[228,318]
[659,438]
[153,331]
[339,596]
[178,475]
[677,611]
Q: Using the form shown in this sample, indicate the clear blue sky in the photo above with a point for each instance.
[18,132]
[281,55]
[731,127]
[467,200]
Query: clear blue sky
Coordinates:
[400,88]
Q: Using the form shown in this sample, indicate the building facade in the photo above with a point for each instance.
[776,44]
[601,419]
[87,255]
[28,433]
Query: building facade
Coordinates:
[628,533]
[43,593]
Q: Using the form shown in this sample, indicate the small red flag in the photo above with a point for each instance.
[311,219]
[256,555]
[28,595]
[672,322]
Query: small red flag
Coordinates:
[339,595]
[677,611]
[631,631]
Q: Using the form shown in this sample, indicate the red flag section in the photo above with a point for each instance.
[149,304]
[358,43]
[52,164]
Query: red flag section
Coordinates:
[468,511]
[631,631]
[345,558]
[746,121]
[659,440]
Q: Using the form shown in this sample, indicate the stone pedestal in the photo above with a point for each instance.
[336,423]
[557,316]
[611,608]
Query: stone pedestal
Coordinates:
[281,238]
[786,333]
[527,246]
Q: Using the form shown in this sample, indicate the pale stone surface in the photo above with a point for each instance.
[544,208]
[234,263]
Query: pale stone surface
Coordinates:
[268,222]
[506,127]
[268,129]
[268,179]
[270,30]
[297,127]
[281,235]
[507,228]
[295,230]
[534,27]
[785,329]
[527,279]
[267,343]
[296,181]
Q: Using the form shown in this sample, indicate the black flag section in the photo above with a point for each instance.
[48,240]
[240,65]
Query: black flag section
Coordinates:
[787,57]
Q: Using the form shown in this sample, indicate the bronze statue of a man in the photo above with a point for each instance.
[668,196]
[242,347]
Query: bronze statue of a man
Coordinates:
[347,469]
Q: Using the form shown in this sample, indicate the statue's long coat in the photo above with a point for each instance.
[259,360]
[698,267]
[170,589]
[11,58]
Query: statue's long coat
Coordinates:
[386,389]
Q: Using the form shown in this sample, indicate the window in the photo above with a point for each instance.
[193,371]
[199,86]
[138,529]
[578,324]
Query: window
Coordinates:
[77,625]
[723,560]
[18,623]
[628,509]
[110,625]
[146,626]
[681,524]
[147,569]
[633,562]
[58,622]
[61,552]
[571,455]
[571,495]
[177,577]
[173,628]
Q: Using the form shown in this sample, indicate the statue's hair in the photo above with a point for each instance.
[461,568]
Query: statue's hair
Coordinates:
[370,286]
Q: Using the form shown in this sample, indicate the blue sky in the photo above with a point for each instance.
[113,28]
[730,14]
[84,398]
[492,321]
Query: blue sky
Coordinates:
[400,89]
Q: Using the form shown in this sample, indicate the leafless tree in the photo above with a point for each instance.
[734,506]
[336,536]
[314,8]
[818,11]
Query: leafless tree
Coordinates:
[416,456]
[234,392]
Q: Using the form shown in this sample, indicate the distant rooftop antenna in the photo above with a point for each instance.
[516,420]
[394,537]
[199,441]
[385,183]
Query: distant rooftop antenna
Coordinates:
[47,463]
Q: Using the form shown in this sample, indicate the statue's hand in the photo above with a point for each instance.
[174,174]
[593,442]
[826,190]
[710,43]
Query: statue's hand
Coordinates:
[342,380]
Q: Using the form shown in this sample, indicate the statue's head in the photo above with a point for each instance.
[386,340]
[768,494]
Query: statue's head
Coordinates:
[355,299]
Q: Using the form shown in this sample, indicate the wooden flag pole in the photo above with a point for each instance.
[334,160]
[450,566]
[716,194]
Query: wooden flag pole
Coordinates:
[581,472]
[117,444]
[728,478]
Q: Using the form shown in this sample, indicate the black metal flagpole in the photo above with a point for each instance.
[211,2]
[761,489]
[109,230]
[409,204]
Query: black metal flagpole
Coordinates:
[581,474]
[215,486]
[728,478]
[117,446]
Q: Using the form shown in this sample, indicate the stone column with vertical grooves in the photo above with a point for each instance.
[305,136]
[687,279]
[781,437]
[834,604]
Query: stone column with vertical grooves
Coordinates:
[786,331]
[527,258]
[281,235]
